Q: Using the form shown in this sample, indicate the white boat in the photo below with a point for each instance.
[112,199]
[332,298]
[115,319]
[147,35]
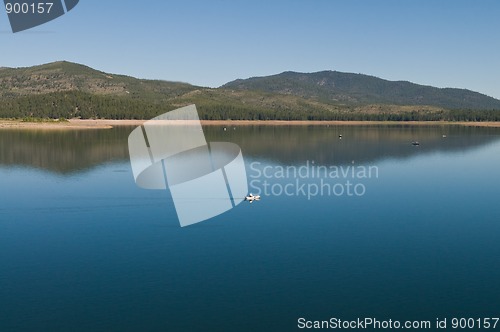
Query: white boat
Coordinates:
[252,198]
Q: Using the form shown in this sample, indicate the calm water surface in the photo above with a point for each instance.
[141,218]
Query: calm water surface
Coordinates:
[83,249]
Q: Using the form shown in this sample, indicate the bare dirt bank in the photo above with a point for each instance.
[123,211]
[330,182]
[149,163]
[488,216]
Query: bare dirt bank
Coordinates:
[106,124]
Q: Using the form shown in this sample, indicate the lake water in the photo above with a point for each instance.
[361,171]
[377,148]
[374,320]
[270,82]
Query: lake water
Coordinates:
[82,248]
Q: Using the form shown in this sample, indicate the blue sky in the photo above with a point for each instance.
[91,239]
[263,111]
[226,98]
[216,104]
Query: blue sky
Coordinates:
[441,43]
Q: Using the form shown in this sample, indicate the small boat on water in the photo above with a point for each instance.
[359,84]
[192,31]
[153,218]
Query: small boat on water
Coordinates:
[252,198]
[415,143]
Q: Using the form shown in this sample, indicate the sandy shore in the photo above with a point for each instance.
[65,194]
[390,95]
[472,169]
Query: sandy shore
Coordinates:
[71,124]
[107,124]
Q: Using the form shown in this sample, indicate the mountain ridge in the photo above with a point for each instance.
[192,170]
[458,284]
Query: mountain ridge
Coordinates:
[335,86]
[67,76]
[65,89]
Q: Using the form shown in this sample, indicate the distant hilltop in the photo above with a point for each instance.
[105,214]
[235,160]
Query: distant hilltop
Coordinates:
[338,87]
[65,89]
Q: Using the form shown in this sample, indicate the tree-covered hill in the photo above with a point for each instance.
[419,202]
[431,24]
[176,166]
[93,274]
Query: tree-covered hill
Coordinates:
[338,87]
[65,76]
[69,90]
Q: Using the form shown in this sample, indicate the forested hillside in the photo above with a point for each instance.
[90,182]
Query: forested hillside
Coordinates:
[68,90]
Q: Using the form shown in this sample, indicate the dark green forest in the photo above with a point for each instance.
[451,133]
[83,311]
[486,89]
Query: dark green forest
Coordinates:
[67,90]
[74,104]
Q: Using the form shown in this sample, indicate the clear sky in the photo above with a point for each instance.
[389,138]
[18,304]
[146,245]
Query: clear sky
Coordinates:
[441,43]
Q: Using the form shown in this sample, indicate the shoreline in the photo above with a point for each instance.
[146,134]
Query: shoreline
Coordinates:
[346,123]
[108,124]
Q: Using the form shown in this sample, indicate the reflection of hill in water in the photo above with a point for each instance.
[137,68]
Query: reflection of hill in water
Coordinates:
[76,150]
[63,151]
[296,144]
